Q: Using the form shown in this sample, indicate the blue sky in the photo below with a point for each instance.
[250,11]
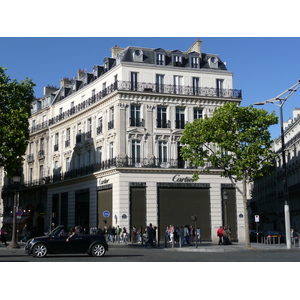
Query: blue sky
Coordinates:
[263,67]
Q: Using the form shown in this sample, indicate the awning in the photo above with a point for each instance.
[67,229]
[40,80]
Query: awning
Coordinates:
[9,220]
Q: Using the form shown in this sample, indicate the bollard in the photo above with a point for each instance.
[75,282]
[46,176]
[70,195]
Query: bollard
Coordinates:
[180,241]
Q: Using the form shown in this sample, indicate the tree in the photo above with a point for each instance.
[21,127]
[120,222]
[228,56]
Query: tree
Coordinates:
[15,108]
[235,140]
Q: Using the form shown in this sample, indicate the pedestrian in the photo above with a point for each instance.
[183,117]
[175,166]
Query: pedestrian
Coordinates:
[187,235]
[167,234]
[192,234]
[124,235]
[134,235]
[149,236]
[25,234]
[220,235]
[113,233]
[225,236]
[109,232]
[118,233]
[181,235]
[140,235]
[3,238]
[171,230]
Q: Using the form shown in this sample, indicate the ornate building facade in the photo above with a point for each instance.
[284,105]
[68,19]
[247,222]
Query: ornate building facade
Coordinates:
[267,195]
[105,146]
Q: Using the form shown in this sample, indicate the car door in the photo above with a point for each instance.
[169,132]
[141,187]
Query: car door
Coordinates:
[80,243]
[59,245]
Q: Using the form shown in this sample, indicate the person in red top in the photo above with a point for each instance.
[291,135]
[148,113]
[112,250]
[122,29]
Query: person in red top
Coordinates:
[220,235]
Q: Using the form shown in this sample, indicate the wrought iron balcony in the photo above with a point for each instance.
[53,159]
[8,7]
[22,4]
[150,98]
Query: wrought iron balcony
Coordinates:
[144,87]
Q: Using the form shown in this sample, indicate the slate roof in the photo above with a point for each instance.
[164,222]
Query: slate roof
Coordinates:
[149,57]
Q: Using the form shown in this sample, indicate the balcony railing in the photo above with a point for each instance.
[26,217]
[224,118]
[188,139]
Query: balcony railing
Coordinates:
[145,88]
[127,162]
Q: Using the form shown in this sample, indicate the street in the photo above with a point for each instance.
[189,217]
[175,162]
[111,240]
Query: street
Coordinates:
[123,253]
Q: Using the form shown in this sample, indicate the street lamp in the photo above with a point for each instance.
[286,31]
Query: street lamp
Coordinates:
[14,238]
[225,197]
[281,101]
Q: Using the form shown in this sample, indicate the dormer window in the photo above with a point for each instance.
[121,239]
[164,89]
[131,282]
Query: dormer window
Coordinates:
[160,56]
[137,55]
[160,59]
[106,67]
[177,58]
[213,62]
[194,60]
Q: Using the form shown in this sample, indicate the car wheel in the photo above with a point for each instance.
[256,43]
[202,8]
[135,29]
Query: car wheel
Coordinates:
[39,250]
[98,250]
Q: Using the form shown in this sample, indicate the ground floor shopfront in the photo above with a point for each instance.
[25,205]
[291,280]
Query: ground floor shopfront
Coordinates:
[125,198]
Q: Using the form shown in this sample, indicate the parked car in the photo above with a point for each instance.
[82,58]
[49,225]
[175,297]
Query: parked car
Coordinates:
[55,243]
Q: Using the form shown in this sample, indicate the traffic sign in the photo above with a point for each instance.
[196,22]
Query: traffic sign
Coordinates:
[106,214]
[19,212]
[256,218]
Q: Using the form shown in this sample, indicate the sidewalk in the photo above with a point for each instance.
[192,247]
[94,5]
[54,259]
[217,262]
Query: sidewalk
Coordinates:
[212,247]
[202,247]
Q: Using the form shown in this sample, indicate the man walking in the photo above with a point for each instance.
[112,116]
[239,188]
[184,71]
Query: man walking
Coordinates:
[220,235]
[149,236]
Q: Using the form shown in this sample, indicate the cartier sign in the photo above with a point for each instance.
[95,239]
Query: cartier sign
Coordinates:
[178,178]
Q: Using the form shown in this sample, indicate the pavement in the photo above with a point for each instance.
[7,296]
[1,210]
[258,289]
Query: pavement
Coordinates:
[201,247]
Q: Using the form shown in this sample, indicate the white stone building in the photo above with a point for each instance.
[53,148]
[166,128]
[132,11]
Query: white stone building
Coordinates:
[267,196]
[104,147]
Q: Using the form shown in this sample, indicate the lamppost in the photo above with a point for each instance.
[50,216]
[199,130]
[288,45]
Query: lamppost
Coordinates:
[14,238]
[281,99]
[225,198]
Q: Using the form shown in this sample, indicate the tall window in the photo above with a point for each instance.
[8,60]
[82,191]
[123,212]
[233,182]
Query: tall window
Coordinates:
[56,170]
[111,150]
[30,175]
[67,164]
[219,84]
[88,158]
[162,152]
[159,83]
[99,155]
[180,122]
[136,151]
[56,140]
[100,125]
[68,137]
[135,115]
[42,144]
[177,84]
[41,171]
[89,128]
[162,117]
[111,117]
[134,81]
[196,90]
[78,136]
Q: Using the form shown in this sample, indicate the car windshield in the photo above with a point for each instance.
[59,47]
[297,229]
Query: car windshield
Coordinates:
[56,231]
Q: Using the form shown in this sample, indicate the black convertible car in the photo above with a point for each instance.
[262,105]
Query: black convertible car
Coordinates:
[55,243]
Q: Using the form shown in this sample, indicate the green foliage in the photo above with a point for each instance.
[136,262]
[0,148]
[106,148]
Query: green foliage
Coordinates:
[235,139]
[15,107]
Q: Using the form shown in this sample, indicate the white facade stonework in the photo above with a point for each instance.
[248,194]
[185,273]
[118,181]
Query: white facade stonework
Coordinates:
[109,140]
